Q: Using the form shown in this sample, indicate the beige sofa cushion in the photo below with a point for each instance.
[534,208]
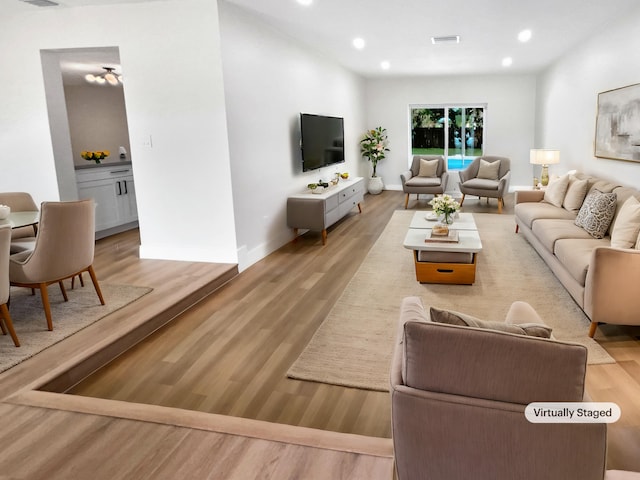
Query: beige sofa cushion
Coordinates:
[463,320]
[576,191]
[528,212]
[555,192]
[575,255]
[596,213]
[625,231]
[549,231]
[428,168]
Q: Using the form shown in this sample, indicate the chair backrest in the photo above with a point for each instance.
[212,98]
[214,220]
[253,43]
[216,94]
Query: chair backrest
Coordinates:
[5,244]
[505,165]
[458,401]
[415,164]
[65,242]
[19,202]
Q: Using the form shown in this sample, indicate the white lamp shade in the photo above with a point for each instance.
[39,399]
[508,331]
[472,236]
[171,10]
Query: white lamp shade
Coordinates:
[544,157]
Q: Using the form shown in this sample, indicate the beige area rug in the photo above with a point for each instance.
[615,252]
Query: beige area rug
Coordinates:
[82,309]
[354,344]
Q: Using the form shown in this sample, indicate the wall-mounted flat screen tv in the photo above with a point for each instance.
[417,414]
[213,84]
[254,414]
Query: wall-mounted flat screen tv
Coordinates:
[322,141]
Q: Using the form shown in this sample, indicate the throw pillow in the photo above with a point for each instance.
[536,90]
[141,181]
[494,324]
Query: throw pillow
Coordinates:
[596,213]
[625,230]
[456,318]
[555,191]
[428,168]
[576,192]
[489,170]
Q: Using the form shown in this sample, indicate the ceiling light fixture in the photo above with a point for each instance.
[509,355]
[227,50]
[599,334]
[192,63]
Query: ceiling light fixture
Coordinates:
[306,3]
[109,77]
[445,39]
[385,65]
[507,61]
[359,43]
[524,35]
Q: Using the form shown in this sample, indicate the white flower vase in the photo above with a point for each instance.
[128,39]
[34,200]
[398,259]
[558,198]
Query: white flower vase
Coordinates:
[375,185]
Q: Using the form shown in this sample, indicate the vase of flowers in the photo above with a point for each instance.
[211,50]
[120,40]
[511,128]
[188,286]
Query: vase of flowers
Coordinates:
[373,146]
[97,156]
[445,206]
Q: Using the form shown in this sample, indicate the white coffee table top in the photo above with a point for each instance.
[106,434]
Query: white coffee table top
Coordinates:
[468,241]
[422,219]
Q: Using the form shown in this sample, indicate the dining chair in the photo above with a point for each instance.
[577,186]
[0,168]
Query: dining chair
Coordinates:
[5,317]
[64,248]
[23,238]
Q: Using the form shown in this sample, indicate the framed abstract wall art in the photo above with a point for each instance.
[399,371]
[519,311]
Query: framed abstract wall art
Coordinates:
[618,124]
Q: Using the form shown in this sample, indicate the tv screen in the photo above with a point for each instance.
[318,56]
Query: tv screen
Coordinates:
[322,141]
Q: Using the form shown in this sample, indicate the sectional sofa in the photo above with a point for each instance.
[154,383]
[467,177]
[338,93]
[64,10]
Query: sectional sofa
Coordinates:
[586,230]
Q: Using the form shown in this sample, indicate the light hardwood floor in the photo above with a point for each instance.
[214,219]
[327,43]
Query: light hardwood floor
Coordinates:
[228,355]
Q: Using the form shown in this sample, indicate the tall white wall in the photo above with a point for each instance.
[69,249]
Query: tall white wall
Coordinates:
[567,98]
[509,116]
[170,51]
[269,80]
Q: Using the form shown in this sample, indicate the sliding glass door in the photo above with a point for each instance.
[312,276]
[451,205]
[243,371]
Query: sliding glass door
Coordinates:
[456,132]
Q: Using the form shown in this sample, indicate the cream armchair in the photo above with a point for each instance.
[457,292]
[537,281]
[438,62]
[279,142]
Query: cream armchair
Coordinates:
[481,180]
[23,238]
[64,248]
[5,316]
[425,180]
[459,396]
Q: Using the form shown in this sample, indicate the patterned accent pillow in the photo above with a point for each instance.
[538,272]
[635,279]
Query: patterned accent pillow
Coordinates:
[460,319]
[596,213]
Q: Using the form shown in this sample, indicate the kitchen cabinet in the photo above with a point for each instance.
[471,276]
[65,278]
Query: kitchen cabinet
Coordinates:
[113,190]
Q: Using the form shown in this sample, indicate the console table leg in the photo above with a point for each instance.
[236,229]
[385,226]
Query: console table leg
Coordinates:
[359,208]
[324,236]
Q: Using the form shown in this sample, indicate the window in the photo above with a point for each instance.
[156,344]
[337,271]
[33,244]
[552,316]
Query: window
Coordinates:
[453,131]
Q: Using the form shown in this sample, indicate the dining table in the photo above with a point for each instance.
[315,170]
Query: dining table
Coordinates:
[23,219]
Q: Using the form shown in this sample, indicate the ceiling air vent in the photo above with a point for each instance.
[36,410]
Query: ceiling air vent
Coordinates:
[446,39]
[40,3]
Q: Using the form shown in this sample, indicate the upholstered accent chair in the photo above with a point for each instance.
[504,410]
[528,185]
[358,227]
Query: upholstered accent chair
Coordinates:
[484,178]
[64,248]
[5,317]
[458,399]
[427,175]
[23,238]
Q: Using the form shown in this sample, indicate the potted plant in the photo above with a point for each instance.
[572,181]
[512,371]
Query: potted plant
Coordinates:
[374,145]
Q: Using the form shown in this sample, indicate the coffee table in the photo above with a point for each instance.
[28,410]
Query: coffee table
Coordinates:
[440,262]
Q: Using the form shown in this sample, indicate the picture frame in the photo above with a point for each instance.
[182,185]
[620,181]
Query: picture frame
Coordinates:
[618,124]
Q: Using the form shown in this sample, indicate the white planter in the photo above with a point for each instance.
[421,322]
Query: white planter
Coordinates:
[375,185]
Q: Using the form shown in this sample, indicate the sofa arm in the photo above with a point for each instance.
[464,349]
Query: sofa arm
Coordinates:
[444,179]
[611,287]
[523,196]
[503,184]
[465,174]
[404,176]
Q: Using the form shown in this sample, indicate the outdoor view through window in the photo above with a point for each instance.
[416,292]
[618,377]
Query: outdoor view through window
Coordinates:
[455,132]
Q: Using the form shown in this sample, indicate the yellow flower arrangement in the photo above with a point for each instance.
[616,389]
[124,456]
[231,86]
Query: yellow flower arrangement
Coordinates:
[95,156]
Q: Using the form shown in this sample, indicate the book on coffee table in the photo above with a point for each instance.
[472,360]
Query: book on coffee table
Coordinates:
[451,237]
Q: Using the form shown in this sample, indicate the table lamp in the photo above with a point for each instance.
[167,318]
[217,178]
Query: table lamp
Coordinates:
[544,158]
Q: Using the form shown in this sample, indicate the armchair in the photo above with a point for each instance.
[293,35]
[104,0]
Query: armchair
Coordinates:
[481,180]
[432,181]
[458,399]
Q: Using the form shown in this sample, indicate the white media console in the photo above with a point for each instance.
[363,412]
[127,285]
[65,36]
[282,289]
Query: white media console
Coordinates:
[318,211]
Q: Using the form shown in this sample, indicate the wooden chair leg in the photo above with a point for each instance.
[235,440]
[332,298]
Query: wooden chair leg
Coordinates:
[517,228]
[406,201]
[500,203]
[462,200]
[63,291]
[45,304]
[592,329]
[96,285]
[4,311]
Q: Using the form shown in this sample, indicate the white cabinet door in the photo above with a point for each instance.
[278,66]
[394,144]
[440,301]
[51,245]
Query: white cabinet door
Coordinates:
[103,193]
[126,198]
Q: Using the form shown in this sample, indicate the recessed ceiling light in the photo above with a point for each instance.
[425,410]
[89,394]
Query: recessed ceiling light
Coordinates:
[306,3]
[359,43]
[524,35]
[507,61]
[385,65]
